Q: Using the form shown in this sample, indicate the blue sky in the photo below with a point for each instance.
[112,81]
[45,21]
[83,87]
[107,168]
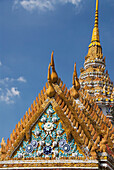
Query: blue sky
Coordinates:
[29,31]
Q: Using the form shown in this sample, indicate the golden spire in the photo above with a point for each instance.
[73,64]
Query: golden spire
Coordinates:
[73,80]
[76,85]
[54,76]
[49,75]
[50,91]
[95,35]
[76,78]
[75,73]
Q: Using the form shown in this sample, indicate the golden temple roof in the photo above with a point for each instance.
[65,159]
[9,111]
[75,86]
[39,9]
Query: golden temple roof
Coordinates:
[88,126]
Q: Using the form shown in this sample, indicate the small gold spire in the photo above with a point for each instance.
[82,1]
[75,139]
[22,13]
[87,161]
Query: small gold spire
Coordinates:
[52,60]
[76,78]
[95,35]
[50,91]
[75,73]
[76,86]
[73,80]
[54,76]
[49,75]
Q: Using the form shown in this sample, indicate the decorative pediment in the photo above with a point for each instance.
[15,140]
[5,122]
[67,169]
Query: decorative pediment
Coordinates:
[48,139]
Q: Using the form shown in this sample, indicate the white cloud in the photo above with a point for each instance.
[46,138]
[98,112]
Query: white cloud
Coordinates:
[21,79]
[43,4]
[8,95]
[15,91]
[5,99]
[74,2]
[34,4]
[0,63]
[9,90]
[7,80]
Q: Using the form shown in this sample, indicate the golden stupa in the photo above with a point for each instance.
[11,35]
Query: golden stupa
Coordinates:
[93,78]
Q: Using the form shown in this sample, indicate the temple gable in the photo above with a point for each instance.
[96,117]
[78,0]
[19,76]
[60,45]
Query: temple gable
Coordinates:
[48,139]
[66,128]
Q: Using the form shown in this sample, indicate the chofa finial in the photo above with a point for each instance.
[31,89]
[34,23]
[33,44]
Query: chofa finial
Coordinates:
[54,76]
[52,60]
[50,91]
[76,85]
[75,73]
[49,74]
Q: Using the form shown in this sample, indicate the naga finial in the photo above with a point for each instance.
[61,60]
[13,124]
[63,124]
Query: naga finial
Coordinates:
[54,76]
[76,85]
[50,91]
[76,78]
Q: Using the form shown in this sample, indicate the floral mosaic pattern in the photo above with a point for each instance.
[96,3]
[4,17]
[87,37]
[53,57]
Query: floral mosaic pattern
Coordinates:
[48,139]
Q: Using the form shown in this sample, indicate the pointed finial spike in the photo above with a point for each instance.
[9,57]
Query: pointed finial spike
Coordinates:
[95,35]
[49,74]
[52,60]
[75,73]
[54,76]
[96,15]
[97,2]
[77,84]
[74,90]
[73,80]
[50,90]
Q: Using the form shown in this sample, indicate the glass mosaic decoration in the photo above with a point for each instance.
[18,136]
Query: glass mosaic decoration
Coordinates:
[48,139]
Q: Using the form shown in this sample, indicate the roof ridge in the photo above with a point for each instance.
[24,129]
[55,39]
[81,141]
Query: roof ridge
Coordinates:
[80,129]
[98,118]
[105,122]
[97,109]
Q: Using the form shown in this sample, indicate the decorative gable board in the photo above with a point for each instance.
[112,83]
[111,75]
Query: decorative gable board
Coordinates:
[48,139]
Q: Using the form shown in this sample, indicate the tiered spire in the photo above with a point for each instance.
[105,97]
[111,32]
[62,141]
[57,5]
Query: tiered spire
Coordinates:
[93,78]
